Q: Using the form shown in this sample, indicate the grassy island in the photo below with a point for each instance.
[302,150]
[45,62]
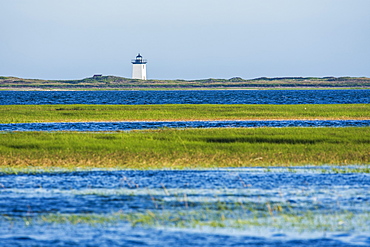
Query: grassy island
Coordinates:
[185,148]
[86,113]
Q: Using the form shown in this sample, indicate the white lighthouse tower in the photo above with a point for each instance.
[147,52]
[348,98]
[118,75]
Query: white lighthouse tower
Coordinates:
[139,68]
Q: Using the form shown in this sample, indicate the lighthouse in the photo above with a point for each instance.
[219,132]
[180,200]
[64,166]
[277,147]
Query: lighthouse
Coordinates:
[139,68]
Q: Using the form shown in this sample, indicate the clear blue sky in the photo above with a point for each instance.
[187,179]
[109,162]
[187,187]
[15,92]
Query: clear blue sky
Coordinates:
[185,39]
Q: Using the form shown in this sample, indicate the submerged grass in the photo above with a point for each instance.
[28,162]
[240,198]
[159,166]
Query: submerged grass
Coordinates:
[84,113]
[184,148]
[273,216]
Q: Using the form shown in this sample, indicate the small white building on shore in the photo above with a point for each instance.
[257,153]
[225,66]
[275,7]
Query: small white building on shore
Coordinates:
[139,68]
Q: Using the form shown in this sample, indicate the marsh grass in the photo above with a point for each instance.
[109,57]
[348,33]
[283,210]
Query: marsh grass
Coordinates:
[185,148]
[84,113]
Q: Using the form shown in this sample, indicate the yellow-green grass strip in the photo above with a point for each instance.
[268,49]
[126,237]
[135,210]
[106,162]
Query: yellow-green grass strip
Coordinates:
[238,216]
[86,113]
[185,148]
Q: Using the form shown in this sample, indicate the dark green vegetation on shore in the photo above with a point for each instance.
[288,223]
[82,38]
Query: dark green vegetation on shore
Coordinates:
[185,148]
[114,82]
[83,113]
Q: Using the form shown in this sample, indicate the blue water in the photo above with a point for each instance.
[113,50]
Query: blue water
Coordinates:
[186,97]
[122,126]
[26,198]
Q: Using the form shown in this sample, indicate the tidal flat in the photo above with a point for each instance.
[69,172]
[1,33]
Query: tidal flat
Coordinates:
[291,186]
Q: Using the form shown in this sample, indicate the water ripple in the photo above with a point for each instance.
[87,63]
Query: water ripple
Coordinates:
[124,126]
[186,97]
[315,200]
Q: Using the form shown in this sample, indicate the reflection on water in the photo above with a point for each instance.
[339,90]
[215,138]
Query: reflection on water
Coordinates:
[258,207]
[186,97]
[117,126]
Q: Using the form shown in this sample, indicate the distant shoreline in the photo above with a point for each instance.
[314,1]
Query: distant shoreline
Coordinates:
[179,89]
[236,83]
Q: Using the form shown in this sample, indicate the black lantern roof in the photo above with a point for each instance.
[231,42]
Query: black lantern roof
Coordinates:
[139,60]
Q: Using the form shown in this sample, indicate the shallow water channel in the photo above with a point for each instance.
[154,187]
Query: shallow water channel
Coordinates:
[136,125]
[186,97]
[305,206]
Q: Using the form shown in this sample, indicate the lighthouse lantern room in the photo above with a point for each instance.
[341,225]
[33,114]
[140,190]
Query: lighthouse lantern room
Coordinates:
[139,68]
